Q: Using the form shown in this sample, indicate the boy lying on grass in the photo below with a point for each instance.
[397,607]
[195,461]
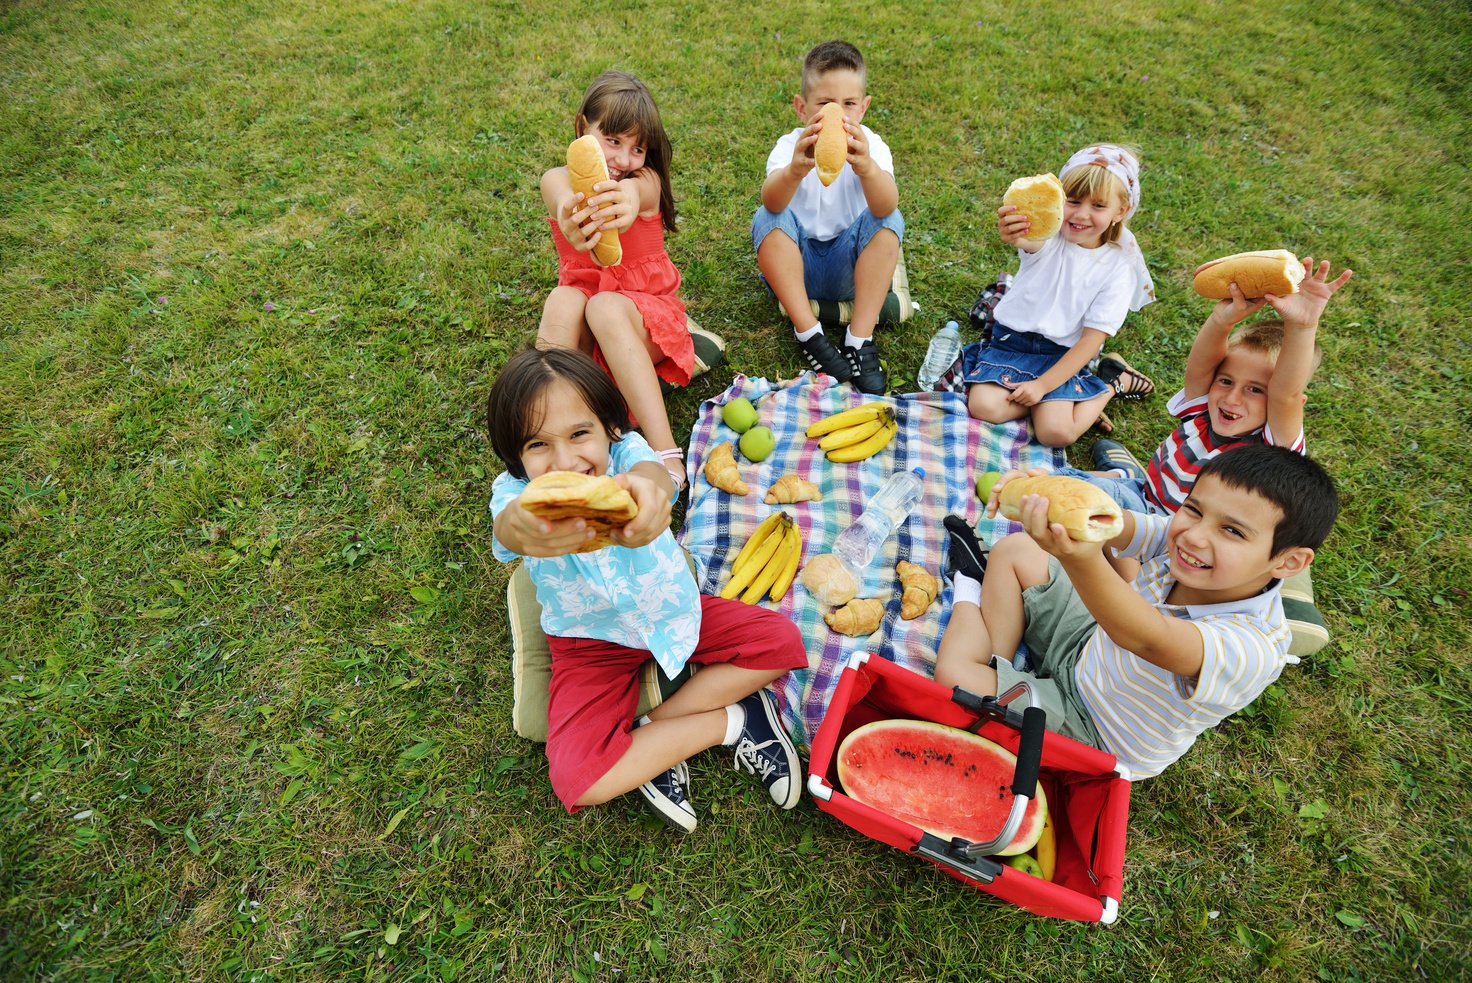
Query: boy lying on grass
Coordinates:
[1140,669]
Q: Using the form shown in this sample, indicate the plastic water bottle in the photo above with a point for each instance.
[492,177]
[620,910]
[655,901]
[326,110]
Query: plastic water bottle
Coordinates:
[945,347]
[857,545]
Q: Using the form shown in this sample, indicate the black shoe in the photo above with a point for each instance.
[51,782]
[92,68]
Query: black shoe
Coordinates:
[1110,455]
[763,750]
[868,375]
[826,357]
[966,554]
[666,796]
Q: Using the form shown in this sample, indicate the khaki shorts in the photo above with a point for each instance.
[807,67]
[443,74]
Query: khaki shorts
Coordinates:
[1058,626]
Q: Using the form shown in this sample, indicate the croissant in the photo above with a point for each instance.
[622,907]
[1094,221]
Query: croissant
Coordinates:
[790,489]
[860,616]
[827,579]
[919,589]
[722,472]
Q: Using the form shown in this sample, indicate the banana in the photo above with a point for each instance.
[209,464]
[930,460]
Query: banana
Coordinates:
[764,580]
[846,418]
[855,433]
[789,571]
[755,542]
[740,581]
[867,448]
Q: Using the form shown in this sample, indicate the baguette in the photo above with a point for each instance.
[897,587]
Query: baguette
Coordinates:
[586,167]
[598,500]
[831,151]
[1267,271]
[1087,512]
[1040,198]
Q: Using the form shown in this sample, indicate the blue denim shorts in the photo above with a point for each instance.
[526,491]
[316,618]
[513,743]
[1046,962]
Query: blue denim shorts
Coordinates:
[1013,357]
[828,265]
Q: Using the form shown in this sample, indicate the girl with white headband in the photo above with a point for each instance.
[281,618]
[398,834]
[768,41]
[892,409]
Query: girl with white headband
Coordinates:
[1071,293]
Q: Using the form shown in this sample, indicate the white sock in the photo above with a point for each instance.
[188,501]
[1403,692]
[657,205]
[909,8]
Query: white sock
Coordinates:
[965,590]
[641,721]
[854,341]
[735,721]
[805,335]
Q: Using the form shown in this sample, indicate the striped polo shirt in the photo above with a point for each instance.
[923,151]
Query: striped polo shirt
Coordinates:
[1149,717]
[1178,459]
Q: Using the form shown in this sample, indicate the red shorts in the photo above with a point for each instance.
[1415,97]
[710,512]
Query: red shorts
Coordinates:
[595,686]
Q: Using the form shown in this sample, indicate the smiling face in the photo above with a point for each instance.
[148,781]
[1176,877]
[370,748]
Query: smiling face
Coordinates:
[1237,402]
[841,85]
[568,436]
[624,152]
[1086,219]
[1220,544]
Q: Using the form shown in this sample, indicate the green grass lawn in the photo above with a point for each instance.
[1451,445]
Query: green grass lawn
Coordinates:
[260,262]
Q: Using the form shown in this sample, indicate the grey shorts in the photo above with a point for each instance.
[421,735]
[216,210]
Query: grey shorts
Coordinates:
[1058,626]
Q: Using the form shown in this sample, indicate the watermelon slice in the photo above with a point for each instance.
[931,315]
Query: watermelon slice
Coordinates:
[947,781]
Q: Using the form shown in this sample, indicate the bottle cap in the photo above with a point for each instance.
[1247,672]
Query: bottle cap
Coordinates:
[952,324]
[919,472]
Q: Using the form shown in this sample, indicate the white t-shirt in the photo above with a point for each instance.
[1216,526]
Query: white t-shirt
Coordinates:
[825,212]
[1063,288]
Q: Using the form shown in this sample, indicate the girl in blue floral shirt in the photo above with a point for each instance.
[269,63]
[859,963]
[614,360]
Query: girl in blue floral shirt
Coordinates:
[607,611]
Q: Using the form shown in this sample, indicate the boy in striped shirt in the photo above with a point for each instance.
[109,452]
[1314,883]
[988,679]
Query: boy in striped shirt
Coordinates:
[1141,668]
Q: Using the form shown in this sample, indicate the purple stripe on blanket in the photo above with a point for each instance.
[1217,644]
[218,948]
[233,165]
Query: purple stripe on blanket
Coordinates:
[935,434]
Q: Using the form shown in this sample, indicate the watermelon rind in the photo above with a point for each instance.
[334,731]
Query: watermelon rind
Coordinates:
[947,781]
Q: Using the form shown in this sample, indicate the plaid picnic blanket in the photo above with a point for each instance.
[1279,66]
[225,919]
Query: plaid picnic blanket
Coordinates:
[935,434]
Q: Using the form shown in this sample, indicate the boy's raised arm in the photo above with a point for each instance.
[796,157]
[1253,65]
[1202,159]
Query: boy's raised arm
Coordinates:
[1210,346]
[1129,620]
[1300,313]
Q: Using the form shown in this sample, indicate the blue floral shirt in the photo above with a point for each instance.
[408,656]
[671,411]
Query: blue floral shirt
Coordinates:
[643,598]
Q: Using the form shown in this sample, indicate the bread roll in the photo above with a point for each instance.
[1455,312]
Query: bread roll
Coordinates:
[597,499]
[831,151]
[1040,198]
[827,579]
[586,167]
[1087,512]
[1267,271]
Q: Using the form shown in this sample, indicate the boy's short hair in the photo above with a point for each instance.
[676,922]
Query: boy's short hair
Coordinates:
[1300,488]
[829,56]
[1266,336]
[514,404]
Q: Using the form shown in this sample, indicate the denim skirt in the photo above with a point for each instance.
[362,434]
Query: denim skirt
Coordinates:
[1011,358]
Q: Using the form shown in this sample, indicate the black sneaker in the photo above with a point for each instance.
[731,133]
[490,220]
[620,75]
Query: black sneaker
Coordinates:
[1111,455]
[764,750]
[666,796]
[826,357]
[966,554]
[868,374]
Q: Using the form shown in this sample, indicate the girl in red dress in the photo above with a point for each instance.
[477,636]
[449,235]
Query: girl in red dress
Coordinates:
[629,317]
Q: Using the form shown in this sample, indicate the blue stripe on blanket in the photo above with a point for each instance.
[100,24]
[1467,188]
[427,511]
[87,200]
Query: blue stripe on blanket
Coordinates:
[935,434]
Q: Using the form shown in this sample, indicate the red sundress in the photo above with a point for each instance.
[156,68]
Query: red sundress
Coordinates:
[648,278]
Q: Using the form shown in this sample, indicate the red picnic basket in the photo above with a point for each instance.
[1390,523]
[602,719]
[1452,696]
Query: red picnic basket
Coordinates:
[1088,794]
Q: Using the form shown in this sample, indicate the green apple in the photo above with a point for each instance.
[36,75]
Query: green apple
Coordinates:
[1025,863]
[985,482]
[757,443]
[739,415]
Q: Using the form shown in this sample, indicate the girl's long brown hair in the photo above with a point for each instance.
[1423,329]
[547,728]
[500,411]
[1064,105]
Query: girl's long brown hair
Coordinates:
[617,102]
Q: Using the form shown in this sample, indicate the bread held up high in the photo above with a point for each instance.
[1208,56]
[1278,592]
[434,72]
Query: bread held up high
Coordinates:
[597,499]
[831,151]
[1267,271]
[1087,512]
[1040,198]
[586,167]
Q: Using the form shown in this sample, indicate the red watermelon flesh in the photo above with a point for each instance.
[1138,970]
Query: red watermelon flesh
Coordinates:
[947,781]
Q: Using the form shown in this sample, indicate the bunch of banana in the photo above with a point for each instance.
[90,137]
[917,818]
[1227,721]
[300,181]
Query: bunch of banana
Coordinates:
[855,434]
[768,562]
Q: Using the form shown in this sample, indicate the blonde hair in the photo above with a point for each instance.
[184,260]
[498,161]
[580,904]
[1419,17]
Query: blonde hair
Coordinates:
[617,102]
[1091,181]
[1265,336]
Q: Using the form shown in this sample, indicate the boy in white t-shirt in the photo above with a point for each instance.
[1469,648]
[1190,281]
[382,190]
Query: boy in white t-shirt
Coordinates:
[839,242]
[1140,669]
